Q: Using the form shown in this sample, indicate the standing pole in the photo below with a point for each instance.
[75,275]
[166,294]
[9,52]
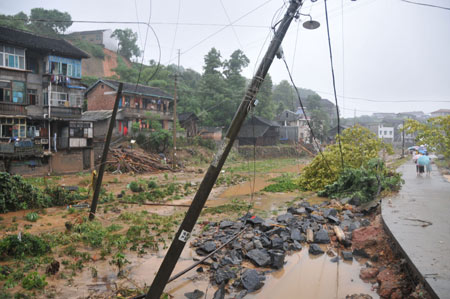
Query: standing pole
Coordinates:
[174,156]
[49,98]
[185,229]
[403,139]
[101,170]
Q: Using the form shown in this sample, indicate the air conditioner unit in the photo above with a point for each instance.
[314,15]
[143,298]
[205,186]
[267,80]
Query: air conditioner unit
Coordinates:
[45,115]
[44,141]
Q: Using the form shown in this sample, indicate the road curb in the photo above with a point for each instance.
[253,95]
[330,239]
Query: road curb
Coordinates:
[413,271]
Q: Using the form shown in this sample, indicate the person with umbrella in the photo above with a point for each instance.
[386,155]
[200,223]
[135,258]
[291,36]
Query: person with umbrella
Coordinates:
[423,161]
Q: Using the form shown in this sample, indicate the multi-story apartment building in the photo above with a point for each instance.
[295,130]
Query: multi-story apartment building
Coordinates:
[41,100]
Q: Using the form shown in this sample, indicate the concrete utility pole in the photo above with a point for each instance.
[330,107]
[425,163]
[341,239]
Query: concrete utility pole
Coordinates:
[101,169]
[174,155]
[185,229]
[403,139]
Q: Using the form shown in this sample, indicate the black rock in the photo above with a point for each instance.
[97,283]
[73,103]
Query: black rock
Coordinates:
[274,230]
[255,220]
[344,200]
[335,259]
[208,246]
[197,294]
[317,218]
[361,253]
[215,266]
[297,211]
[285,217]
[223,275]
[220,293]
[321,236]
[200,270]
[256,244]
[346,242]
[310,209]
[259,257]
[267,225]
[285,235]
[277,259]
[333,219]
[251,280]
[242,294]
[236,245]
[295,246]
[296,235]
[347,255]
[365,222]
[266,242]
[277,243]
[201,252]
[345,224]
[315,249]
[354,225]
[356,200]
[226,223]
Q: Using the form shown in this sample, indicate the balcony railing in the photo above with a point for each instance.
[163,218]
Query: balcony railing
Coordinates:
[13,109]
[23,148]
[135,112]
[73,112]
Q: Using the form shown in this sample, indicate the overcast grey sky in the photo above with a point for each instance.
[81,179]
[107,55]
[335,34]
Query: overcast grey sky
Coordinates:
[387,50]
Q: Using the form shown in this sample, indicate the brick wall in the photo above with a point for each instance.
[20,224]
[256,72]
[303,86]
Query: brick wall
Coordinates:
[67,162]
[98,100]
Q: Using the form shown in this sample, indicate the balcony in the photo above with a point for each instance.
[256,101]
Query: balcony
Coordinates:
[141,113]
[20,149]
[12,109]
[64,112]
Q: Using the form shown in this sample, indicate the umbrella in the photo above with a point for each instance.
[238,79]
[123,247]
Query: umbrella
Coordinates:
[423,160]
[413,148]
[415,157]
[423,152]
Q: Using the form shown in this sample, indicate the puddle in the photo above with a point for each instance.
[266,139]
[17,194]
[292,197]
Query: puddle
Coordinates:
[307,276]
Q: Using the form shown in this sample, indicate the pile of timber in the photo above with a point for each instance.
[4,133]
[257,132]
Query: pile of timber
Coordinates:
[135,160]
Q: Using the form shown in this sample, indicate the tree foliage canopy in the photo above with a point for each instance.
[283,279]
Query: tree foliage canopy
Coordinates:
[435,133]
[359,145]
[127,42]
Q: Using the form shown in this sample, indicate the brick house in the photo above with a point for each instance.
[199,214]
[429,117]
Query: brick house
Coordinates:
[136,105]
[41,99]
[259,131]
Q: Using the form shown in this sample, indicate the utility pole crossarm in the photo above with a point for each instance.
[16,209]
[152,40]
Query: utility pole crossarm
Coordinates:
[186,227]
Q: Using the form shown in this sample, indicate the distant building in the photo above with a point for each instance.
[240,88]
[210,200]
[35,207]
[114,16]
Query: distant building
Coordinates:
[136,105]
[386,133]
[382,115]
[259,131]
[331,134]
[440,112]
[188,121]
[98,37]
[293,126]
[214,133]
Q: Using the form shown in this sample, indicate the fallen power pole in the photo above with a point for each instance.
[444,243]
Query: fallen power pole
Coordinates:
[185,229]
[101,169]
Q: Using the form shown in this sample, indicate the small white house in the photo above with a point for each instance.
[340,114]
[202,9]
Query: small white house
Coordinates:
[385,132]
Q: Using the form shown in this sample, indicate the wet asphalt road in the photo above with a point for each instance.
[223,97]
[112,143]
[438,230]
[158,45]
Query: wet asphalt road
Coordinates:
[419,219]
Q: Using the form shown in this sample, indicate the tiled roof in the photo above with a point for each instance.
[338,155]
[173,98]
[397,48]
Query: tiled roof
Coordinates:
[48,45]
[131,88]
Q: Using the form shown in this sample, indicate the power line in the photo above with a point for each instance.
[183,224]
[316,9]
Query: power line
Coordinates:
[224,27]
[426,4]
[143,50]
[334,84]
[232,27]
[304,113]
[137,18]
[176,29]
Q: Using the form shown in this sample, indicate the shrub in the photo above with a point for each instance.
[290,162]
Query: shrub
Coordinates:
[34,281]
[32,217]
[364,183]
[135,187]
[25,245]
[285,183]
[359,145]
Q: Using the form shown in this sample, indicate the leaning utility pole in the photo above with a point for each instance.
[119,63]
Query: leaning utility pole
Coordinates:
[403,139]
[174,155]
[101,169]
[185,229]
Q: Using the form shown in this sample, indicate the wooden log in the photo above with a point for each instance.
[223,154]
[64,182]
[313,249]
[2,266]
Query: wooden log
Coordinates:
[339,233]
[309,235]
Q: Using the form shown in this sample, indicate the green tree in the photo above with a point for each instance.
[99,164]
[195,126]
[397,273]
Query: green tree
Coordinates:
[435,133]
[213,62]
[127,42]
[17,21]
[283,95]
[56,21]
[359,146]
[266,106]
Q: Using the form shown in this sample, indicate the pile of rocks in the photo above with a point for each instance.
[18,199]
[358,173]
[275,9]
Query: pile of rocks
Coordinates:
[265,242]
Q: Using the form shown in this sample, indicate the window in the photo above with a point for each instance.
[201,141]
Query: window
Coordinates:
[64,66]
[390,132]
[33,64]
[12,57]
[385,132]
[13,127]
[32,96]
[5,91]
[18,92]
